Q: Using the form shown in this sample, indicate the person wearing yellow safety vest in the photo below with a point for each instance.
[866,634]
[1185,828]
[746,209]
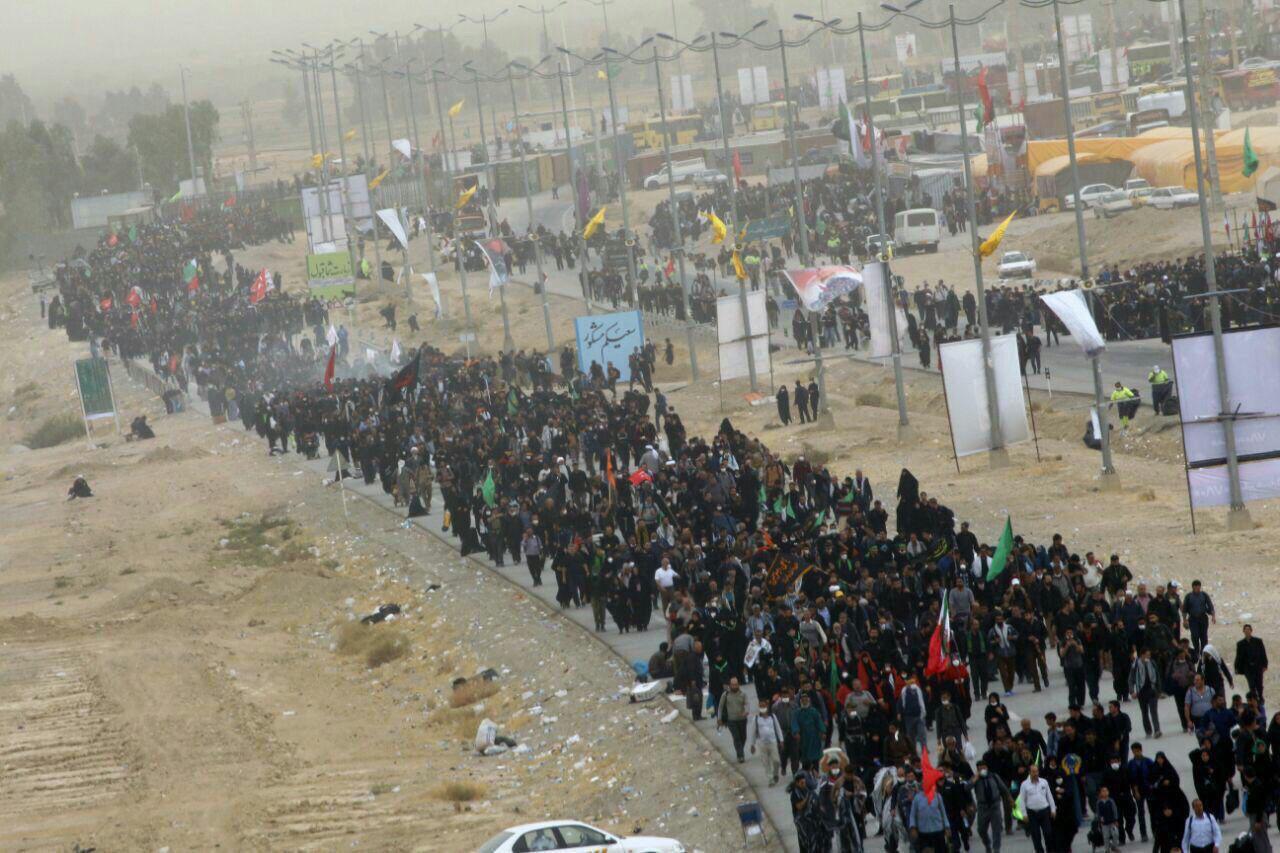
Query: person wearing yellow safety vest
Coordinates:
[1125,402]
[1161,387]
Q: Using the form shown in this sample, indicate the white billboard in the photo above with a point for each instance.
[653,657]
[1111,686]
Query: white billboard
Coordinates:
[732,335]
[830,86]
[904,45]
[965,385]
[1253,383]
[682,93]
[753,85]
[332,235]
[1259,480]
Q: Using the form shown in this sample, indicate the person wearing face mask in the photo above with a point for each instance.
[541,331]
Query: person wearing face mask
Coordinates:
[991,794]
[765,734]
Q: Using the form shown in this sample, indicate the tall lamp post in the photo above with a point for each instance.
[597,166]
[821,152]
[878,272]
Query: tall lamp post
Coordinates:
[186,119]
[999,454]
[528,203]
[1109,478]
[1238,517]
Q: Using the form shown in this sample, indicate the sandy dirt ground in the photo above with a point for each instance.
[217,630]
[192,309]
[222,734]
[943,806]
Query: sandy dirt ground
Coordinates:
[182,666]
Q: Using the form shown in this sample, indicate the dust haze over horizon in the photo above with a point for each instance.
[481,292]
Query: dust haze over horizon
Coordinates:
[60,47]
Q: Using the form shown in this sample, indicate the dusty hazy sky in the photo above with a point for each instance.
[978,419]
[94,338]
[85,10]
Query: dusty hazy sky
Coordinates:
[58,45]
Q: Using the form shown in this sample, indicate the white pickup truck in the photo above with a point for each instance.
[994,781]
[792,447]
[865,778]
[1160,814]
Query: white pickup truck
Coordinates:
[681,171]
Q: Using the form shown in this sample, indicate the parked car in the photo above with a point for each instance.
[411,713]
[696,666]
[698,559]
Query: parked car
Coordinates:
[1171,198]
[572,835]
[1253,63]
[874,245]
[1088,195]
[1140,195]
[1016,265]
[709,178]
[1111,204]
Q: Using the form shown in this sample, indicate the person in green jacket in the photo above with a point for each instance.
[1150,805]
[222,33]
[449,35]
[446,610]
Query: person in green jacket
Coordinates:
[808,725]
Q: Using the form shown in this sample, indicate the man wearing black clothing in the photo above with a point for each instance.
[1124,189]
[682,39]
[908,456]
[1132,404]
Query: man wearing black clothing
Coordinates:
[1197,610]
[1251,660]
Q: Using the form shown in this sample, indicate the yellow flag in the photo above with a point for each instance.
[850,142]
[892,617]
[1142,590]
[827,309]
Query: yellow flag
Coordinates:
[992,243]
[600,75]
[742,235]
[317,160]
[373,185]
[456,109]
[738,269]
[593,224]
[718,229]
[349,135]
[465,196]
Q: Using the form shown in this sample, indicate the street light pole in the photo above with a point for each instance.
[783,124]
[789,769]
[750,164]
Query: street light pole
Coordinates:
[342,153]
[999,455]
[528,203]
[508,344]
[420,163]
[368,162]
[1238,516]
[573,189]
[677,233]
[1109,478]
[899,385]
[451,146]
[186,118]
[725,125]
[620,168]
[824,406]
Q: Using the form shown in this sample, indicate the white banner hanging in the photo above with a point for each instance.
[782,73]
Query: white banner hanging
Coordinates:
[1073,310]
[391,219]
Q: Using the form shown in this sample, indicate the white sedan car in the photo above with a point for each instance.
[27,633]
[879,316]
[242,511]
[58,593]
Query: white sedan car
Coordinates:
[1171,198]
[572,835]
[1088,196]
[1016,265]
[1111,204]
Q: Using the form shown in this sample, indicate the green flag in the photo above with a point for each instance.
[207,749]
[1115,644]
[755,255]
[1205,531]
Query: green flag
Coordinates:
[977,119]
[782,507]
[1250,158]
[763,499]
[175,196]
[133,232]
[835,677]
[487,489]
[1003,549]
[512,405]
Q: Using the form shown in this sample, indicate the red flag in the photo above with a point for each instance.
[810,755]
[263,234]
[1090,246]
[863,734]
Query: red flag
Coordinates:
[737,166]
[230,202]
[939,642]
[640,476]
[258,290]
[194,284]
[173,363]
[135,297]
[328,371]
[133,319]
[988,109]
[671,265]
[929,775]
[613,481]
[104,304]
[154,306]
[112,240]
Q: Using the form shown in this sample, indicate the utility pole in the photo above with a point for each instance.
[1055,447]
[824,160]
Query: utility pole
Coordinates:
[677,236]
[368,162]
[899,386]
[1206,98]
[1109,478]
[573,188]
[450,144]
[246,111]
[528,203]
[508,344]
[999,455]
[620,168]
[726,125]
[419,163]
[1238,516]
[186,118]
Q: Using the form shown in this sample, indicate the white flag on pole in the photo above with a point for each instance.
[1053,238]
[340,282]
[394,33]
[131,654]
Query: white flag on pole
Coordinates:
[395,350]
[1073,310]
[331,336]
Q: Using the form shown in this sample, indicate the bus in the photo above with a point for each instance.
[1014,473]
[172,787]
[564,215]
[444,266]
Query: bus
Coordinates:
[680,130]
[771,116]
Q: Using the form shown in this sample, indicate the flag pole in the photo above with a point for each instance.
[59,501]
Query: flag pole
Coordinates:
[947,400]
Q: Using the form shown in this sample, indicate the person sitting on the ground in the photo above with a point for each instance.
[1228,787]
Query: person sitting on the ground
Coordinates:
[79,488]
[139,430]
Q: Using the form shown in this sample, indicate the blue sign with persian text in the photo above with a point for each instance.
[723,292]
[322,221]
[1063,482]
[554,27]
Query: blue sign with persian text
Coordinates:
[609,338]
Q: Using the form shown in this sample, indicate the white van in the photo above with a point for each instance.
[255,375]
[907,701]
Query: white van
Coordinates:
[917,229]
[681,171]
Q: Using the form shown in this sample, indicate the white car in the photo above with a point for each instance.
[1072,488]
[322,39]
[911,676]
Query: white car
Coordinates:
[1016,265]
[1256,62]
[572,835]
[1111,204]
[1090,194]
[709,178]
[1171,198]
